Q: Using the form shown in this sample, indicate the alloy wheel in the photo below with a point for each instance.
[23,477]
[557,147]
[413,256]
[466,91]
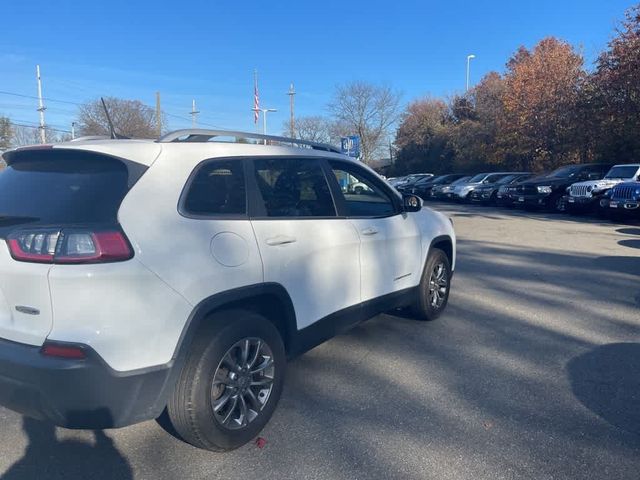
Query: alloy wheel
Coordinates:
[438,285]
[242,383]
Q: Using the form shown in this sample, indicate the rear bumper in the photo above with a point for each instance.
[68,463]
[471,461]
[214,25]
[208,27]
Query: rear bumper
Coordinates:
[78,393]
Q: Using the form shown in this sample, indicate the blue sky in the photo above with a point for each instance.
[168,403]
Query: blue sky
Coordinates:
[208,50]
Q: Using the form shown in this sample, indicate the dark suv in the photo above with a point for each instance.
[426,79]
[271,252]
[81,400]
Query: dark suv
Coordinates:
[547,191]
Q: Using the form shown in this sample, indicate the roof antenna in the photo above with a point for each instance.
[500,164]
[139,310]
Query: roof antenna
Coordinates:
[112,130]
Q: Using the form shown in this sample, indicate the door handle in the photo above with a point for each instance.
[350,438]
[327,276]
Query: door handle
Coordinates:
[369,231]
[280,240]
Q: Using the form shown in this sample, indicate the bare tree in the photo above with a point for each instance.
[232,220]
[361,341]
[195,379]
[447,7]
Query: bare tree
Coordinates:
[131,118]
[6,133]
[368,111]
[25,135]
[314,129]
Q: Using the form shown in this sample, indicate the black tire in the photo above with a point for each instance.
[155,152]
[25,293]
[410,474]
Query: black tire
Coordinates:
[191,406]
[557,205]
[424,307]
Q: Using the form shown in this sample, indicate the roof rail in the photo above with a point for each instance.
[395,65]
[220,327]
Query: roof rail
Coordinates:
[202,135]
[90,137]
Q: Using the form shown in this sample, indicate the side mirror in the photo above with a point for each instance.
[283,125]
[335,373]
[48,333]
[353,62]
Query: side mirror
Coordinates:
[411,203]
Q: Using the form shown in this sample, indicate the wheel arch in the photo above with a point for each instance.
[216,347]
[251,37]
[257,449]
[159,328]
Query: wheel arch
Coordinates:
[444,243]
[270,300]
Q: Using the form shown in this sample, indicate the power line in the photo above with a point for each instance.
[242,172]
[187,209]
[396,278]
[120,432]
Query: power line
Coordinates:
[21,95]
[38,128]
[13,94]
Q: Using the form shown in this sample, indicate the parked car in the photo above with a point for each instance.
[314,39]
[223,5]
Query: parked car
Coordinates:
[623,200]
[409,181]
[488,194]
[462,191]
[548,191]
[586,195]
[445,192]
[507,195]
[139,277]
[423,187]
[395,180]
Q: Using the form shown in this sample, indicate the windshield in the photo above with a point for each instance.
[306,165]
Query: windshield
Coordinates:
[441,180]
[424,181]
[461,180]
[477,178]
[568,171]
[507,179]
[622,172]
[495,178]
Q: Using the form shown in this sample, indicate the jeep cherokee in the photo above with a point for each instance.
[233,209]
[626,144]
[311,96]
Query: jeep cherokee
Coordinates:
[139,277]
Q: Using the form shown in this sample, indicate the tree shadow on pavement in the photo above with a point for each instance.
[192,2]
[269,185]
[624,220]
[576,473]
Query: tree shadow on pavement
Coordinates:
[607,381]
[46,457]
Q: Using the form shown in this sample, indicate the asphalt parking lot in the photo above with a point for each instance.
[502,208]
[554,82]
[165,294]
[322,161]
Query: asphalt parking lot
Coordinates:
[533,372]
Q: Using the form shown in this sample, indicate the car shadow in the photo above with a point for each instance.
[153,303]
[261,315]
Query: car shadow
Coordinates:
[629,231]
[631,243]
[47,457]
[606,380]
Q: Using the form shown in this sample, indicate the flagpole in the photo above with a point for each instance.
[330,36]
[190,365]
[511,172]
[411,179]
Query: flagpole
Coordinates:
[256,101]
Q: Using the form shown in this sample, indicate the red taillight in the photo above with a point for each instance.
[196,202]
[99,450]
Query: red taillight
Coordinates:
[69,246]
[63,351]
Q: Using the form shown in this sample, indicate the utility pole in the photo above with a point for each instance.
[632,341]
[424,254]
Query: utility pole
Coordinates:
[41,108]
[194,113]
[158,115]
[292,94]
[73,130]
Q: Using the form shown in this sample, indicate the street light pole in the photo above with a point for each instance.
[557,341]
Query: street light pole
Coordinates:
[469,57]
[264,119]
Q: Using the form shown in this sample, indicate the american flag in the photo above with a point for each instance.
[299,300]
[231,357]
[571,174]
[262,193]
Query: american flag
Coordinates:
[256,98]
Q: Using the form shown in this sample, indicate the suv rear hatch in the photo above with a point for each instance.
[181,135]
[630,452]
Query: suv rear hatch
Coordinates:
[48,195]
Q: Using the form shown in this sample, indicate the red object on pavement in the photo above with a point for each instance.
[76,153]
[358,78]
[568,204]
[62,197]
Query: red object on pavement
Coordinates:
[260,442]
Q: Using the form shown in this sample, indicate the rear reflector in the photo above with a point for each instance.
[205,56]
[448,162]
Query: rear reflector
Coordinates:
[66,246]
[63,351]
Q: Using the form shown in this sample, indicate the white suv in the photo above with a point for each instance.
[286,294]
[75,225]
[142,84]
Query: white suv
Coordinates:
[139,276]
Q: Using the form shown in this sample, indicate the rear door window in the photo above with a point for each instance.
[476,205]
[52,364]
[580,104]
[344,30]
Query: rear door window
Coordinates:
[218,188]
[62,187]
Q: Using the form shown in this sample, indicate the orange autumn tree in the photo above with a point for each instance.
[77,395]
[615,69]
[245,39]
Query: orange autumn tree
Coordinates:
[537,130]
[612,101]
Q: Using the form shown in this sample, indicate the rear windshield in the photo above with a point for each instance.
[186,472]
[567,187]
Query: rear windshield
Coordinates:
[65,187]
